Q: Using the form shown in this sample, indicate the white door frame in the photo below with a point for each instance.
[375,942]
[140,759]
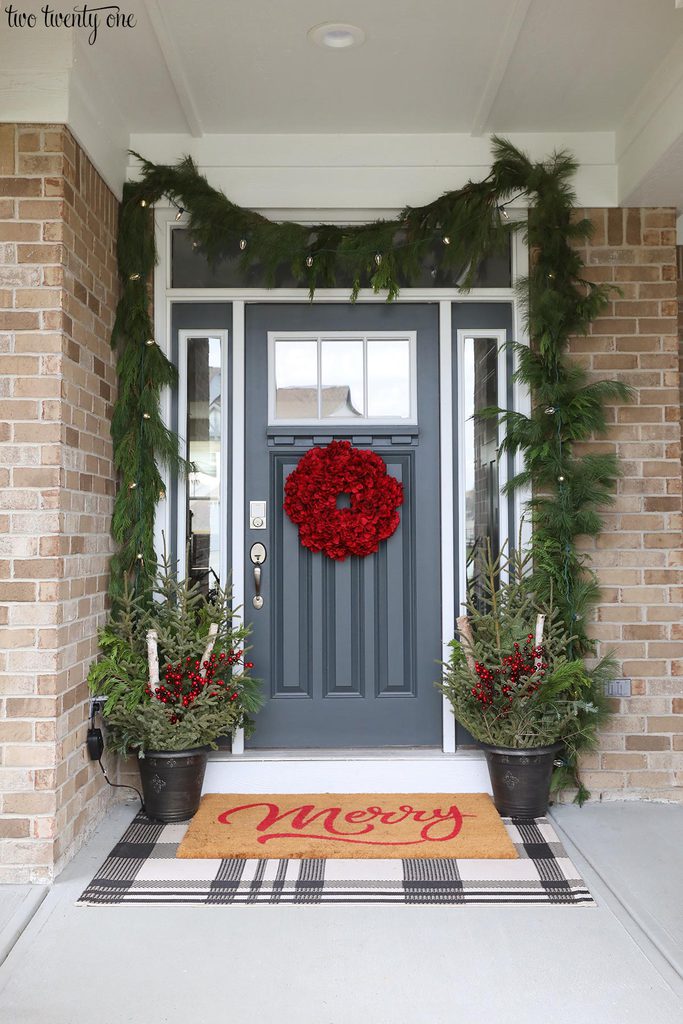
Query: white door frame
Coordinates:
[165,295]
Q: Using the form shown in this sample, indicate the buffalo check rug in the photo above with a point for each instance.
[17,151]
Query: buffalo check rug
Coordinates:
[143,869]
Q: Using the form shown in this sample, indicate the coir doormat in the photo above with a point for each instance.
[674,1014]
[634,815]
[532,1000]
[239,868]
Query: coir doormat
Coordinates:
[347,825]
[143,870]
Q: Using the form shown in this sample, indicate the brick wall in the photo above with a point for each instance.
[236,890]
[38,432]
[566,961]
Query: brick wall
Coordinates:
[639,556]
[57,375]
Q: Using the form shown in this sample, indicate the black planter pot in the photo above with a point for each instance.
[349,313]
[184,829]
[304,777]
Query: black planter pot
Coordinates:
[521,779]
[172,782]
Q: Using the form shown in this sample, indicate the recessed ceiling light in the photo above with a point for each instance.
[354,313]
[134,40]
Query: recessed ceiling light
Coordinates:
[336,35]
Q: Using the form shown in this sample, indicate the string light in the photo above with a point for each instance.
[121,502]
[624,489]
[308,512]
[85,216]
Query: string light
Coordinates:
[195,244]
[378,258]
[132,486]
[146,416]
[143,202]
[150,342]
[309,261]
[551,276]
[446,240]
[560,479]
[133,277]
[162,495]
[181,211]
[243,244]
[551,410]
[503,212]
[433,271]
[139,557]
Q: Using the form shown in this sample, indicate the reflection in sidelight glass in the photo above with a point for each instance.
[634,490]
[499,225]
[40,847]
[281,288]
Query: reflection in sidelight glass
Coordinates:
[342,378]
[480,371]
[296,380]
[203,432]
[389,378]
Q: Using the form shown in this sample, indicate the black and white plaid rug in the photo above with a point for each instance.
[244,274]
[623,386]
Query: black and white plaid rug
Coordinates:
[142,869]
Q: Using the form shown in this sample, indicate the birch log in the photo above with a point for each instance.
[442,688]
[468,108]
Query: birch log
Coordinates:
[465,631]
[538,639]
[210,641]
[153,659]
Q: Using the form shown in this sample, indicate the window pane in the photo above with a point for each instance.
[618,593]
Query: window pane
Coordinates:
[204,402]
[190,268]
[342,378]
[389,378]
[481,451]
[296,380]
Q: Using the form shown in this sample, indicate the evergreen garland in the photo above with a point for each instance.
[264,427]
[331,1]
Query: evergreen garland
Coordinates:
[463,226]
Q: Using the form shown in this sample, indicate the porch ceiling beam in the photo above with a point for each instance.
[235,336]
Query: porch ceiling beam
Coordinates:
[649,140]
[175,68]
[500,64]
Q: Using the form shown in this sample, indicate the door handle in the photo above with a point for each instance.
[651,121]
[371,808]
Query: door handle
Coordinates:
[257,555]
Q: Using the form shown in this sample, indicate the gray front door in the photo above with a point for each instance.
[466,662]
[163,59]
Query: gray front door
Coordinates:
[348,650]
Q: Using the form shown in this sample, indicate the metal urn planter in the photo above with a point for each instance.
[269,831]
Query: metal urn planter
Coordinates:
[172,782]
[521,779]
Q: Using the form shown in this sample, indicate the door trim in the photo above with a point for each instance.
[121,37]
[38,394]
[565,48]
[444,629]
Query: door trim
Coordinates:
[444,297]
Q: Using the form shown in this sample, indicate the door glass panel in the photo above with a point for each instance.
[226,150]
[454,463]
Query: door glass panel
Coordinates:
[389,378]
[296,380]
[342,378]
[481,452]
[204,414]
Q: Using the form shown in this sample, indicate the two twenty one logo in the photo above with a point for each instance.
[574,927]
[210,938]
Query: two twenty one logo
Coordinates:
[85,16]
[371,826]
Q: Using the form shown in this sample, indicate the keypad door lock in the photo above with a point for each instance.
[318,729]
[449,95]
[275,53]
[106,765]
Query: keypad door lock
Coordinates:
[257,515]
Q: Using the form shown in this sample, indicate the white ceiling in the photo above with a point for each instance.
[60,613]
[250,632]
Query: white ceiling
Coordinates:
[222,66]
[604,76]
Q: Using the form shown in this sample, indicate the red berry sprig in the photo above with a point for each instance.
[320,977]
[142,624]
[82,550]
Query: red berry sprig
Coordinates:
[183,682]
[519,675]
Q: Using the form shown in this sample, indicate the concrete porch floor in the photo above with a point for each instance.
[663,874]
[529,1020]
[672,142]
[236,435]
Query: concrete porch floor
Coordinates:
[617,963]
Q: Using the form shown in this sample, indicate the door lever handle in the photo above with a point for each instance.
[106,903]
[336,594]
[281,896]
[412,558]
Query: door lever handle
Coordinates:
[258,556]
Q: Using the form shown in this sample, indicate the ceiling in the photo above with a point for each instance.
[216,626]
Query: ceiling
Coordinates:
[225,66]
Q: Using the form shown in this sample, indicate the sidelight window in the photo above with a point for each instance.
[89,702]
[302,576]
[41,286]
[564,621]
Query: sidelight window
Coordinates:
[201,414]
[481,373]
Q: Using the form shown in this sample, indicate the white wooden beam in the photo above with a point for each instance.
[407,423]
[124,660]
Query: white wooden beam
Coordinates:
[500,64]
[175,68]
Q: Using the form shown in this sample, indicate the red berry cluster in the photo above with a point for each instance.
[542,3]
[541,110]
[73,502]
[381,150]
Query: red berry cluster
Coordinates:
[184,681]
[519,675]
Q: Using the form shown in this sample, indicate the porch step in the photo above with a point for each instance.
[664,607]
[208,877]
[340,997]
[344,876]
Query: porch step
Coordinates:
[347,771]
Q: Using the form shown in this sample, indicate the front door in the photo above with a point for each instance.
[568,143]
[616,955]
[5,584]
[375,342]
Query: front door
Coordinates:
[348,651]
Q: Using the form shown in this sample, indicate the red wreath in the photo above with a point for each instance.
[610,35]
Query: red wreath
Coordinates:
[311,493]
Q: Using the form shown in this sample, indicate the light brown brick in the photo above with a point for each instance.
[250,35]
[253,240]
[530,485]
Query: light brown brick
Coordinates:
[648,742]
[665,724]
